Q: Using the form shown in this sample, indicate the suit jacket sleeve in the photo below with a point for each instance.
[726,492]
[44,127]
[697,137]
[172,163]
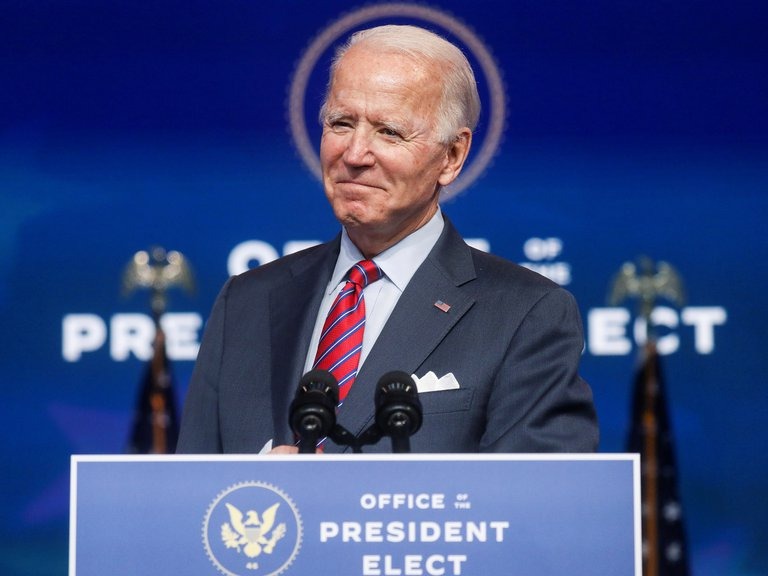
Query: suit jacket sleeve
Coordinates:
[252,355]
[538,402]
[200,432]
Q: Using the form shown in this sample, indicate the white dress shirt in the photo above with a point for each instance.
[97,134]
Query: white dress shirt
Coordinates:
[399,263]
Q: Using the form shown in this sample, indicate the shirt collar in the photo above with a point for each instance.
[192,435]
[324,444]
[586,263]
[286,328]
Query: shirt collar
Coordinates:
[399,262]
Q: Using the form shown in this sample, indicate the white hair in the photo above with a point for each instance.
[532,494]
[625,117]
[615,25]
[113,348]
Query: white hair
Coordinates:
[459,105]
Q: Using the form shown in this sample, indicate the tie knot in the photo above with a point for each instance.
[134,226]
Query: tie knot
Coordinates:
[364,272]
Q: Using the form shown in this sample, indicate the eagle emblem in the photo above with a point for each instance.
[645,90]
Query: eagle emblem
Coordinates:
[251,534]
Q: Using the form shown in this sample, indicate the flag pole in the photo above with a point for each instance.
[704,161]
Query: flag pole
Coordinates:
[154,429]
[650,431]
[649,465]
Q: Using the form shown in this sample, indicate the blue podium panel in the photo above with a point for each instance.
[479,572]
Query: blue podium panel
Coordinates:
[414,515]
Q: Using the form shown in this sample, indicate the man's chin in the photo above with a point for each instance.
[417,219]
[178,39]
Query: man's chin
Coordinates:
[359,227]
[356,215]
[357,223]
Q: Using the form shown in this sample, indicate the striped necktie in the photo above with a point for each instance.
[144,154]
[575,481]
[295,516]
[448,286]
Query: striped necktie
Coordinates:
[342,338]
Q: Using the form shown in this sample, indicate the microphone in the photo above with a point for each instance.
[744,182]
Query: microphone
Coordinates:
[398,409]
[312,414]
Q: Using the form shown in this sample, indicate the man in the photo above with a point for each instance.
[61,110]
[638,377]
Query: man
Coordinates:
[497,345]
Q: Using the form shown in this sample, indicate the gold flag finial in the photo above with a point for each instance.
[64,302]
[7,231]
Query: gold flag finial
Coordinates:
[647,281]
[158,270]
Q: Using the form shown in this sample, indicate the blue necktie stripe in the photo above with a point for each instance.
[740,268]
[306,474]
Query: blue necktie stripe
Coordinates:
[340,318]
[340,340]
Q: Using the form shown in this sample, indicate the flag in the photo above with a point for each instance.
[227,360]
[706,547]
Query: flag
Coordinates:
[664,542]
[155,424]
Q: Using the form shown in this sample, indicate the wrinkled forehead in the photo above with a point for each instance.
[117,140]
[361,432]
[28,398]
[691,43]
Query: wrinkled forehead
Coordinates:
[367,59]
[389,71]
[386,86]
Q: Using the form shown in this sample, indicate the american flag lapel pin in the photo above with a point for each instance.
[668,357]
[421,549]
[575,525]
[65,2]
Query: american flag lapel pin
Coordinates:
[440,305]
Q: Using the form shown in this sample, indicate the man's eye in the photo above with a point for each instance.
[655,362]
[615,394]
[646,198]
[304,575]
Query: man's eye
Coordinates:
[391,132]
[339,124]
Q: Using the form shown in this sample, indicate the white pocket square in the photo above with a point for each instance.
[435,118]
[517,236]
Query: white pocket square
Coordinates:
[431,383]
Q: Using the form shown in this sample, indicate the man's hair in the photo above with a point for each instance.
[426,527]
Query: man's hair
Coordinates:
[459,103]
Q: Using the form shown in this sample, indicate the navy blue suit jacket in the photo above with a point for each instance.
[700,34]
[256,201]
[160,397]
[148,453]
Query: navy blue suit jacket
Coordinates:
[512,339]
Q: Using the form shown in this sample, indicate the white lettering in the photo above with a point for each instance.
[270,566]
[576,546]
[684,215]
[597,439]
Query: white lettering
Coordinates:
[396,532]
[396,501]
[131,333]
[81,333]
[250,254]
[412,565]
[435,565]
[607,329]
[542,248]
[426,531]
[373,532]
[476,532]
[371,565]
[704,319]
[453,532]
[660,316]
[429,531]
[499,526]
[350,532]
[181,335]
[328,531]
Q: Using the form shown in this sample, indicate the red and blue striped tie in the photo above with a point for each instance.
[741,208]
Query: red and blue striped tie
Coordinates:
[342,338]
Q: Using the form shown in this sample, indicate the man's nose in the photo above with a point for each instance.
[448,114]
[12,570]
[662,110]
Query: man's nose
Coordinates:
[358,150]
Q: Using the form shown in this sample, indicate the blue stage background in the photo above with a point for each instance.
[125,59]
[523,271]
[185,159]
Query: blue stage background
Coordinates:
[629,128]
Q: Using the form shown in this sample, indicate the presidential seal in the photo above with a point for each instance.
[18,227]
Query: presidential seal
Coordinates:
[489,78]
[253,529]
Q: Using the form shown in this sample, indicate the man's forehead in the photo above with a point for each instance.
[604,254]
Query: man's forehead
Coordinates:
[370,58]
[397,77]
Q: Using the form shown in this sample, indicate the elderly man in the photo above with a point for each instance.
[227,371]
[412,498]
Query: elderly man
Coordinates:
[494,347]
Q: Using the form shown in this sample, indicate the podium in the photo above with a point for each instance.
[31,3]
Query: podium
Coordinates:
[362,515]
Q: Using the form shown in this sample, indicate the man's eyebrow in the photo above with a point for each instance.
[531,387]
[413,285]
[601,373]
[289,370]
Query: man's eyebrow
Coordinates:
[331,115]
[392,120]
[394,124]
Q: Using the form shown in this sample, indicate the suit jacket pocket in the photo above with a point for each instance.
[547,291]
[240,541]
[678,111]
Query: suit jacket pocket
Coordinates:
[445,401]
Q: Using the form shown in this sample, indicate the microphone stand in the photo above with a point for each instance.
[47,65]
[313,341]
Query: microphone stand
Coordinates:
[312,413]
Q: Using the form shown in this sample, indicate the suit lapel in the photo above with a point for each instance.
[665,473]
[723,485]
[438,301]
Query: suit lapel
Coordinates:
[293,309]
[416,326]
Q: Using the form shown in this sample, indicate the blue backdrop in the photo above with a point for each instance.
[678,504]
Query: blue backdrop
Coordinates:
[625,128]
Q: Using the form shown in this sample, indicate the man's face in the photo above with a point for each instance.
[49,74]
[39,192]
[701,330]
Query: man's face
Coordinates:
[382,163]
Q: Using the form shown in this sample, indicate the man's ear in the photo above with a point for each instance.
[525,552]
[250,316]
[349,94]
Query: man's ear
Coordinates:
[455,157]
